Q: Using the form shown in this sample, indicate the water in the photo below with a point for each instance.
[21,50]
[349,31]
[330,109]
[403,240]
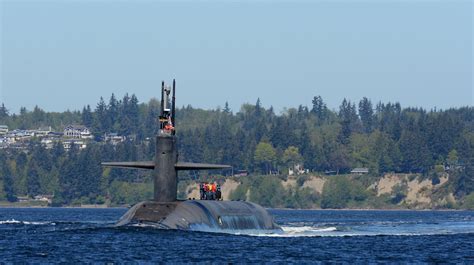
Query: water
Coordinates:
[87,235]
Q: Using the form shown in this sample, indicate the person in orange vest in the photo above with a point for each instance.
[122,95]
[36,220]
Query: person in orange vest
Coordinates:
[168,127]
[206,191]
[209,189]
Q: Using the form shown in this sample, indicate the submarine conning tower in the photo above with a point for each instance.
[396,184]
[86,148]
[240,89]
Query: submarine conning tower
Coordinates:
[165,165]
[165,211]
[166,154]
[166,177]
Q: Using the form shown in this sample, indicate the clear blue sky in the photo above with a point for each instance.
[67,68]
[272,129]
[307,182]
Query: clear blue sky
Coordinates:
[66,54]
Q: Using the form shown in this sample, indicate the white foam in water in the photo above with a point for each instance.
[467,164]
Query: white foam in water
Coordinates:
[300,231]
[306,229]
[286,231]
[393,229]
[13,221]
[9,222]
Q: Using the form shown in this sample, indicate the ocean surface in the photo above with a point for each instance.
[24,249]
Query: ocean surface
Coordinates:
[309,236]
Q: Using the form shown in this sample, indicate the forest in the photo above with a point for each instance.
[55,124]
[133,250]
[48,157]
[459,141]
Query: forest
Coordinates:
[383,137]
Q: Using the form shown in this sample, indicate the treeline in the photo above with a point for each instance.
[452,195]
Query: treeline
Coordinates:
[384,138]
[75,176]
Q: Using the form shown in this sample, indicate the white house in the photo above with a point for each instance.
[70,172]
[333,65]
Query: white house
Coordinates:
[360,171]
[114,138]
[43,131]
[77,132]
[3,129]
[68,143]
[20,135]
[297,170]
[48,143]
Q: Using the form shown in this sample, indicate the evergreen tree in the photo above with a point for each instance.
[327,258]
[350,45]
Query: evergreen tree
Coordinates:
[319,108]
[33,182]
[415,152]
[4,114]
[227,108]
[366,114]
[349,121]
[8,183]
[87,117]
[101,120]
[113,110]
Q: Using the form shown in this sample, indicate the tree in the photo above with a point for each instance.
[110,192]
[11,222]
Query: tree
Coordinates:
[453,158]
[336,193]
[469,202]
[3,113]
[414,150]
[113,109]
[339,159]
[33,182]
[101,121]
[227,108]
[87,117]
[292,156]
[319,108]
[8,184]
[265,155]
[348,119]
[366,114]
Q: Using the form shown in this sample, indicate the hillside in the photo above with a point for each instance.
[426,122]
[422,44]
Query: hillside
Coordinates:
[392,191]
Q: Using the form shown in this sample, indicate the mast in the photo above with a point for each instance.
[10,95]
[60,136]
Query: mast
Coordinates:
[173,105]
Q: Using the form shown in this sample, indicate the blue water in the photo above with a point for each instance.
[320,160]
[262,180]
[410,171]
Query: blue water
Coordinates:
[86,235]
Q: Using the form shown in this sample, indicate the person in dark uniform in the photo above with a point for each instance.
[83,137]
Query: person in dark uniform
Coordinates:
[218,193]
[201,190]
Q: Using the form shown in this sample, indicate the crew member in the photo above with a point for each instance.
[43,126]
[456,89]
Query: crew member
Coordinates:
[218,193]
[201,190]
[211,194]
[205,190]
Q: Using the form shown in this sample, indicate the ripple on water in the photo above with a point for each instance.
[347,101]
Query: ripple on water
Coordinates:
[71,236]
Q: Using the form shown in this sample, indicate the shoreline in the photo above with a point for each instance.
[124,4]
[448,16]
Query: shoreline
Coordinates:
[278,209]
[65,207]
[369,210]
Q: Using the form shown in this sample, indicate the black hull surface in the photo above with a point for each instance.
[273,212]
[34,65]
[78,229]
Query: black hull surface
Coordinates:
[200,215]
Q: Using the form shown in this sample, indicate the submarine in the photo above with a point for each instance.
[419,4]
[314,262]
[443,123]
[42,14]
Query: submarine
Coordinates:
[165,211]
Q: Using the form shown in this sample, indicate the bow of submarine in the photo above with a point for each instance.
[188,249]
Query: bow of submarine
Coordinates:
[188,215]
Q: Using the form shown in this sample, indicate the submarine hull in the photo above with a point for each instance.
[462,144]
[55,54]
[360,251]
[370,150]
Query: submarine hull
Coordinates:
[197,215]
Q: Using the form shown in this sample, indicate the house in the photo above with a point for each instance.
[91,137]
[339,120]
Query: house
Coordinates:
[20,135]
[47,143]
[114,138]
[67,144]
[44,198]
[55,135]
[77,132]
[43,131]
[296,170]
[241,173]
[23,198]
[360,170]
[3,129]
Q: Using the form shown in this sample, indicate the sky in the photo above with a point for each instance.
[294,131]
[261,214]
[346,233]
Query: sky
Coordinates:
[63,55]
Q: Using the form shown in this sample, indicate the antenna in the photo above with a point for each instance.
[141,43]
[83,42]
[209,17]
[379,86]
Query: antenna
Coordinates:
[173,105]
[162,98]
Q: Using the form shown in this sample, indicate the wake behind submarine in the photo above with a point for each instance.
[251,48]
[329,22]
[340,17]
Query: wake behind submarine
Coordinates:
[165,211]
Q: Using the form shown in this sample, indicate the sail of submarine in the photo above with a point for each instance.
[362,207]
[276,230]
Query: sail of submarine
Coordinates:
[165,211]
